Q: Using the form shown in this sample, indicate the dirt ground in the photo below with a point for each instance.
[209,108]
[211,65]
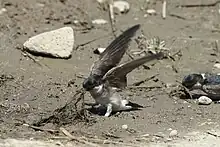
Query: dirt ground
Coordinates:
[30,92]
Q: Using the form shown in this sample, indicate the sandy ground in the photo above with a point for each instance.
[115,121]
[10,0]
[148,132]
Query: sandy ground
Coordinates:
[29,91]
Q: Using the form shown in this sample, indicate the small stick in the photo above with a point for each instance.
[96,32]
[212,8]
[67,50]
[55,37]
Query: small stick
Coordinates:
[213,134]
[111,16]
[177,16]
[144,87]
[113,142]
[200,5]
[164,9]
[90,41]
[24,53]
[145,80]
[216,46]
[65,132]
[41,129]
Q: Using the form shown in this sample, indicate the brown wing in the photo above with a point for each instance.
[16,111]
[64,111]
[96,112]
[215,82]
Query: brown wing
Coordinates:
[113,53]
[117,75]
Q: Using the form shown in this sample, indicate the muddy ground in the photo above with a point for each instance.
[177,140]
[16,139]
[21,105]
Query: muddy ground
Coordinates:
[31,91]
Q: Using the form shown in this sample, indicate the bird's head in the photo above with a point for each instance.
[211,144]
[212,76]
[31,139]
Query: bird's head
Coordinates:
[91,82]
[192,80]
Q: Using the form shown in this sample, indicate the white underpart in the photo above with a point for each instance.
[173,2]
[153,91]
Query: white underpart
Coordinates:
[99,88]
[109,98]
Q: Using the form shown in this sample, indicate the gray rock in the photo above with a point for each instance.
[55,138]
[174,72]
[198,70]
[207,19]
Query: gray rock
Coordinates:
[57,43]
[3,10]
[204,100]
[217,65]
[173,133]
[122,6]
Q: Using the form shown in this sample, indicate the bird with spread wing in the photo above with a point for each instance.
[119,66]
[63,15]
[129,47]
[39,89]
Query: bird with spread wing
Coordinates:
[106,75]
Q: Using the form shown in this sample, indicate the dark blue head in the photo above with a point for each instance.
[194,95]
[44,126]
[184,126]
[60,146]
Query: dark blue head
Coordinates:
[91,82]
[190,80]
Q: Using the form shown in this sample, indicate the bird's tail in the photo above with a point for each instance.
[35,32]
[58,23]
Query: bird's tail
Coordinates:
[134,105]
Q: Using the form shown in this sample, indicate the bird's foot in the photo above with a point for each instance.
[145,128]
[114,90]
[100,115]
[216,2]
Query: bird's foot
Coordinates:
[109,110]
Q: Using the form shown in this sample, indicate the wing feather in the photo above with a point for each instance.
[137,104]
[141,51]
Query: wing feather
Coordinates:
[117,75]
[113,53]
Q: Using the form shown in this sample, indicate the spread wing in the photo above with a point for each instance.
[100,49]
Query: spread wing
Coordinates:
[113,53]
[117,75]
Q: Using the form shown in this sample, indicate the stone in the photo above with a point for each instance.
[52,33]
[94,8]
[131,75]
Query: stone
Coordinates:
[151,11]
[57,43]
[101,1]
[99,21]
[3,10]
[204,100]
[173,133]
[217,65]
[122,6]
[125,127]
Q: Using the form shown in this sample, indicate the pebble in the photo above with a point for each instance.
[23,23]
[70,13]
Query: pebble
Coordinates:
[217,65]
[99,21]
[101,1]
[168,139]
[146,135]
[2,10]
[170,129]
[204,100]
[122,6]
[173,133]
[99,50]
[57,43]
[125,127]
[145,15]
[151,11]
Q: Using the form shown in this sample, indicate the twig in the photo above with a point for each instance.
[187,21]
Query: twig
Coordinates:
[41,129]
[213,134]
[216,46]
[65,132]
[177,16]
[90,41]
[24,53]
[110,135]
[174,69]
[111,16]
[145,80]
[164,9]
[186,90]
[200,5]
[110,141]
[144,87]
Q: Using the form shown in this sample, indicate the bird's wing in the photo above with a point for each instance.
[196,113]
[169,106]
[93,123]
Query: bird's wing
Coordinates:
[113,53]
[212,90]
[116,77]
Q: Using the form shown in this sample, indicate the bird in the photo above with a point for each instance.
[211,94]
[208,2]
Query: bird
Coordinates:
[207,83]
[106,77]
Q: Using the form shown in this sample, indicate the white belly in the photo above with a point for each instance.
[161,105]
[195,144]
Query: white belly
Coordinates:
[104,96]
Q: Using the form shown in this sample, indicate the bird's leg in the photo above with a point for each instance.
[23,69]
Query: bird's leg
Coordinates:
[109,110]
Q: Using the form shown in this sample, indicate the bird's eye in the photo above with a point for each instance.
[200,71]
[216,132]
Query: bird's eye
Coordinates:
[188,78]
